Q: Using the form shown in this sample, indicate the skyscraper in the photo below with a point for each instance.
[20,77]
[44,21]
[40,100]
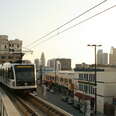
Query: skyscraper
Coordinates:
[112,56]
[99,56]
[105,58]
[102,58]
[60,63]
[42,60]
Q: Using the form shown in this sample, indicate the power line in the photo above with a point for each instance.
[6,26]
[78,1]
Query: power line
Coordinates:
[66,23]
[75,25]
[27,50]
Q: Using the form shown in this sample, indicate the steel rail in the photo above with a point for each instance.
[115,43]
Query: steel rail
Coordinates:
[27,109]
[48,108]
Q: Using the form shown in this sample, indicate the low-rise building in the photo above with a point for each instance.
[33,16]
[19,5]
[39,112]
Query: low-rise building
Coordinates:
[104,89]
[86,91]
[64,79]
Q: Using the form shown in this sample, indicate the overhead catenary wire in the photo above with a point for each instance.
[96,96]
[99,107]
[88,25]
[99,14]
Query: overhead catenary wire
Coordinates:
[27,50]
[75,25]
[54,30]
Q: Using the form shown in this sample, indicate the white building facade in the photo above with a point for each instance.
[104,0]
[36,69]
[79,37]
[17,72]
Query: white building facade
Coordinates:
[85,88]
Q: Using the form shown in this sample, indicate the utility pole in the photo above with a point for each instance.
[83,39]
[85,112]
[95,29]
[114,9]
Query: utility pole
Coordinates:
[41,74]
[55,71]
[39,87]
[94,45]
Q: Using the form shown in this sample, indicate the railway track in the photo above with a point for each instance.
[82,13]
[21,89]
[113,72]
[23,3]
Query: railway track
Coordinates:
[30,105]
[22,107]
[39,107]
[25,108]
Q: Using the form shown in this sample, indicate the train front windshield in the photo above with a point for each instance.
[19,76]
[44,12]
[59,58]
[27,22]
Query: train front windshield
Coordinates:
[24,75]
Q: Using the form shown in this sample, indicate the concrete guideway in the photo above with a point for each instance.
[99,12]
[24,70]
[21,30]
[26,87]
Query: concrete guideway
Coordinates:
[48,108]
[7,108]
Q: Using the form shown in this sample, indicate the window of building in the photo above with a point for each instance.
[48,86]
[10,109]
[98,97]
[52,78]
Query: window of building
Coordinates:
[5,46]
[70,81]
[85,88]
[93,90]
[18,46]
[89,91]
[80,76]
[80,87]
[86,77]
[3,57]
[92,77]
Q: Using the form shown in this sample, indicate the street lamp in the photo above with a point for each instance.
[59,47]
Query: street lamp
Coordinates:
[95,46]
[55,70]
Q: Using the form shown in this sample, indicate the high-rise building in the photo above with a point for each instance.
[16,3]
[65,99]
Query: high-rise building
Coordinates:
[102,58]
[56,65]
[65,63]
[99,56]
[51,63]
[62,63]
[105,58]
[42,60]
[10,50]
[112,56]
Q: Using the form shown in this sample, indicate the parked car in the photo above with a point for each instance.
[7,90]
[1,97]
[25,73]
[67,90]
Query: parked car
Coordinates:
[34,93]
[76,105]
[70,101]
[64,98]
[51,91]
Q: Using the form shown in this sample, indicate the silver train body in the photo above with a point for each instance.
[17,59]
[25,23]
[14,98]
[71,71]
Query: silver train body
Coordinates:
[18,76]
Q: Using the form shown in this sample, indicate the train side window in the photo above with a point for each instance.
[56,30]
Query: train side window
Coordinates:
[3,74]
[11,74]
[6,73]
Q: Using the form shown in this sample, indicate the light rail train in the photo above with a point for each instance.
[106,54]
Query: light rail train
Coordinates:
[18,76]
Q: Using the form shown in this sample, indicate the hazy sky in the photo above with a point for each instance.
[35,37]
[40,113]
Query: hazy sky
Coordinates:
[29,20]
